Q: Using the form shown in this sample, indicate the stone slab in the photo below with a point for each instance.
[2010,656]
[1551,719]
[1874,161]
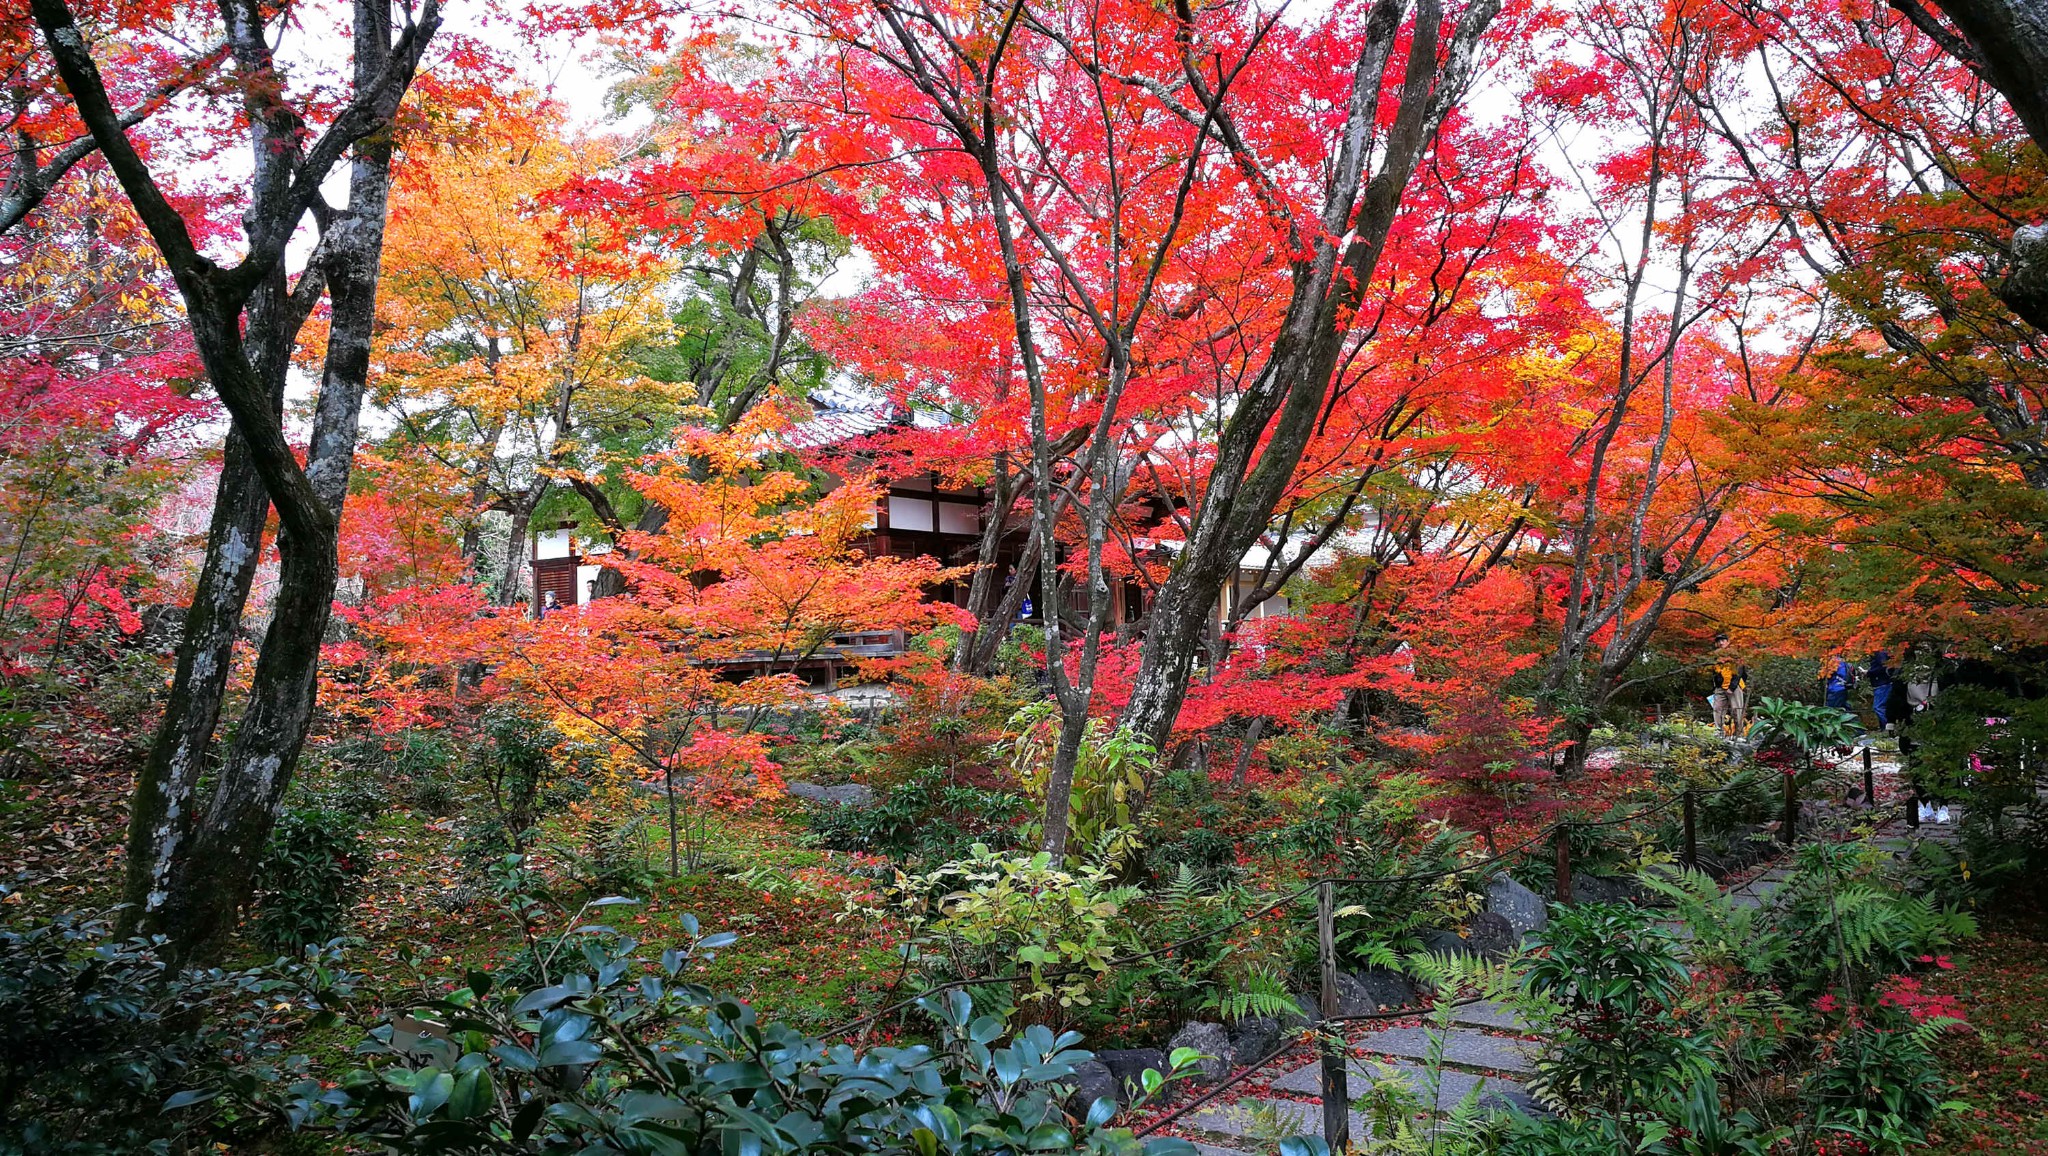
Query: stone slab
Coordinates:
[1462,1046]
[1240,1119]
[1452,1085]
[1488,1014]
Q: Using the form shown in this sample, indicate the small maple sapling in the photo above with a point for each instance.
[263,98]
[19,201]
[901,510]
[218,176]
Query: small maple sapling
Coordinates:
[750,580]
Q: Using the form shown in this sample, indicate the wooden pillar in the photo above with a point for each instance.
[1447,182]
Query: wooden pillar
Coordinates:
[1564,862]
[1336,1080]
[1692,830]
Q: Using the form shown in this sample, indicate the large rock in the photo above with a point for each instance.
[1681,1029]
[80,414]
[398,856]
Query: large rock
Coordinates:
[1219,1056]
[1491,934]
[843,794]
[1127,1066]
[1368,991]
[1524,910]
[1605,889]
[1253,1038]
[1091,1081]
[1487,935]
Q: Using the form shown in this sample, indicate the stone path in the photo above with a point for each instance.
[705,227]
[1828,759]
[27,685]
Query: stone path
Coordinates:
[1488,1048]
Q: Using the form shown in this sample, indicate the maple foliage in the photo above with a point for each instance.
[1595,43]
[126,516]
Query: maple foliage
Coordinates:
[1912,446]
[509,328]
[1309,396]
[103,424]
[752,578]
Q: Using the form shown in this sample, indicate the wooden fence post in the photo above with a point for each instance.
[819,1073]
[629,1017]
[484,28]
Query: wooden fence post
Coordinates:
[1788,826]
[1336,1080]
[1692,830]
[1564,862]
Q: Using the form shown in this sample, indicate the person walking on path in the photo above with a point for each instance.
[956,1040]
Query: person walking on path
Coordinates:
[1837,675]
[1730,697]
[1881,684]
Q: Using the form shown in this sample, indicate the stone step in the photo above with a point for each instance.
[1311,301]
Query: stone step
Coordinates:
[1488,1014]
[1243,1119]
[1452,1085]
[1465,1047]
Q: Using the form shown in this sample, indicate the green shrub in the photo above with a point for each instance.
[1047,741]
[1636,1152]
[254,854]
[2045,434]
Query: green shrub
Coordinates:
[1879,1072]
[515,761]
[988,914]
[1209,853]
[310,875]
[109,1049]
[628,1057]
[1610,993]
[1839,924]
[421,768]
[927,818]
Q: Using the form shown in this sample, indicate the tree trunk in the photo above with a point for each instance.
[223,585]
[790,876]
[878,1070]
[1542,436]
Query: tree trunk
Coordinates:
[982,591]
[517,549]
[989,641]
[163,805]
[1059,787]
[161,812]
[207,885]
[1275,417]
[1244,751]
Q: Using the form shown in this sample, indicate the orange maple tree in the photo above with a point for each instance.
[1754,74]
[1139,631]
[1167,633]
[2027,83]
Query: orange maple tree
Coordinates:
[755,577]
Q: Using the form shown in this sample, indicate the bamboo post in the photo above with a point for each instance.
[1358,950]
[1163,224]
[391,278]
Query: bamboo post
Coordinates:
[1692,830]
[1564,862]
[1869,781]
[1788,826]
[1336,1081]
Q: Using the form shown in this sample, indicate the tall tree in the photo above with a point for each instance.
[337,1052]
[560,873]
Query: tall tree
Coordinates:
[190,858]
[1686,270]
[512,327]
[2006,43]
[1120,180]
[1902,187]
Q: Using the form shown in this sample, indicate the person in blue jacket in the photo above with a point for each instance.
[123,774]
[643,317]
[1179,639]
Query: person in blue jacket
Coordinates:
[1837,676]
[1881,687]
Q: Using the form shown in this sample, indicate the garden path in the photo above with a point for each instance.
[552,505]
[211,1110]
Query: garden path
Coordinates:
[1489,1047]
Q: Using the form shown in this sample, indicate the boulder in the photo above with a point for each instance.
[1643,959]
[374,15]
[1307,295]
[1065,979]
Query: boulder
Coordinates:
[1127,1065]
[1603,758]
[1487,935]
[1219,1056]
[1491,934]
[1604,889]
[1090,1082]
[1441,942]
[1524,910]
[842,794]
[1253,1038]
[1364,992]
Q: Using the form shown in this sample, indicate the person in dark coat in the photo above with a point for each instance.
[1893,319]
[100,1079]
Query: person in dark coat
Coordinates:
[1880,675]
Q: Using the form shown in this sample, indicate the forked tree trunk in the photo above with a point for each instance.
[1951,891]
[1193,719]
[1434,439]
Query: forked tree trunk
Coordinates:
[1273,420]
[161,815]
[194,880]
